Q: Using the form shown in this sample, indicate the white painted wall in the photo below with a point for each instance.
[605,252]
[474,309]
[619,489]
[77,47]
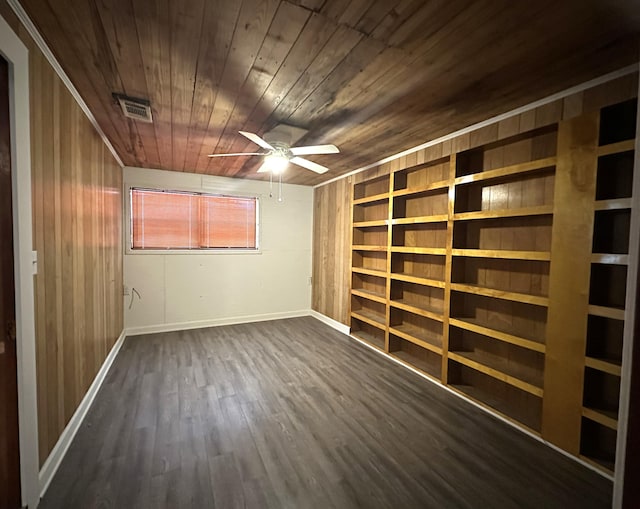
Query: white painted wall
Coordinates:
[181,290]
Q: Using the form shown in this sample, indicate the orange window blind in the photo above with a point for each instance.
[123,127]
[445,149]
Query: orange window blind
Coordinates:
[180,220]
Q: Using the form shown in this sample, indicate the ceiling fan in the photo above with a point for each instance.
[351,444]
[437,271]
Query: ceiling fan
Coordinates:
[278,154]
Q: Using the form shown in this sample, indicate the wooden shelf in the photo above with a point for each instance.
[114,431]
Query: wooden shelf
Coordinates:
[361,247]
[369,338]
[408,278]
[473,361]
[603,466]
[606,365]
[419,250]
[372,199]
[369,272]
[613,204]
[616,148]
[428,313]
[415,340]
[610,259]
[488,400]
[441,218]
[606,418]
[370,317]
[369,224]
[542,210]
[434,186]
[500,294]
[468,324]
[368,294]
[415,363]
[503,254]
[418,336]
[516,169]
[606,312]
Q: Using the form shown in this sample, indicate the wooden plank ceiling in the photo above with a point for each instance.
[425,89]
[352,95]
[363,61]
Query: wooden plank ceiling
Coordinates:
[372,76]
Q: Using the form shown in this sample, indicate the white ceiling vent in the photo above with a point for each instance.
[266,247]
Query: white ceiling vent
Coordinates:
[136,109]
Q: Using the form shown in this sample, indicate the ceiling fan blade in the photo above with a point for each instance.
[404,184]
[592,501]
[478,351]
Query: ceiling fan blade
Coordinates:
[237,154]
[314,149]
[256,139]
[309,165]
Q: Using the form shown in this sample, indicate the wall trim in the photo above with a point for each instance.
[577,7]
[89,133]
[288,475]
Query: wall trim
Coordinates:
[630,318]
[16,53]
[35,34]
[58,453]
[216,322]
[498,118]
[340,327]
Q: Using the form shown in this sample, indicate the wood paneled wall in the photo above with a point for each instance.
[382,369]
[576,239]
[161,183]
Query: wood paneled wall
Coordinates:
[331,244]
[332,228]
[77,232]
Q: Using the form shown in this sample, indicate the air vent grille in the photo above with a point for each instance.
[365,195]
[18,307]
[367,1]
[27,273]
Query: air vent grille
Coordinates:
[136,109]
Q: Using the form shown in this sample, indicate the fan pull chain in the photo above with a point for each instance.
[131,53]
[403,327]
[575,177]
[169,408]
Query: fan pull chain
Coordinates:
[280,188]
[270,184]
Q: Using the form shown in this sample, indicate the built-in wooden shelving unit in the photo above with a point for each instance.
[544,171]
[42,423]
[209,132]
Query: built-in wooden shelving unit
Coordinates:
[459,271]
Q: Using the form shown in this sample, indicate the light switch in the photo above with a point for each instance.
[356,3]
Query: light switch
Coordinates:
[34,262]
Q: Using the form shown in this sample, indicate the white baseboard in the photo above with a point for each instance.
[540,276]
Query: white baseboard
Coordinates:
[340,327]
[200,324]
[50,466]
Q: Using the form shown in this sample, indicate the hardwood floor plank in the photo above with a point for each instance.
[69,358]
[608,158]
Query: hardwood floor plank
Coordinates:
[292,414]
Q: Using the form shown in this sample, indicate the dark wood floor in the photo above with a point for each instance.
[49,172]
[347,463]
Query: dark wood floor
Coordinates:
[292,414]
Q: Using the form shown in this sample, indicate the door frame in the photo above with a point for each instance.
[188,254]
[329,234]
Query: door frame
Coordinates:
[16,53]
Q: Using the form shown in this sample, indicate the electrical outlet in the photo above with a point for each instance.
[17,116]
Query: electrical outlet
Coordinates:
[125,290]
[310,280]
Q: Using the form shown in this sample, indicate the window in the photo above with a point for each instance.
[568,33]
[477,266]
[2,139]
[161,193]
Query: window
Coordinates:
[184,220]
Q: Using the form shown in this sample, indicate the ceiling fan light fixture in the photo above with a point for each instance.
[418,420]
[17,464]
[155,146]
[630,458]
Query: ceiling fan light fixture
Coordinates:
[276,163]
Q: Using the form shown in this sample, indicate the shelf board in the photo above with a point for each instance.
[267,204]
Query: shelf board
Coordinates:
[439,218]
[372,199]
[417,363]
[473,361]
[370,224]
[614,204]
[419,250]
[610,259]
[369,339]
[606,365]
[428,313]
[503,254]
[363,247]
[418,336]
[371,317]
[468,324]
[606,312]
[368,294]
[542,210]
[434,186]
[408,278]
[604,466]
[604,417]
[484,399]
[500,294]
[516,169]
[616,148]
[369,272]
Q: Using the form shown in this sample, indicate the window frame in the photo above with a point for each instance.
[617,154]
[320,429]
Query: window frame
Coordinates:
[128,230]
